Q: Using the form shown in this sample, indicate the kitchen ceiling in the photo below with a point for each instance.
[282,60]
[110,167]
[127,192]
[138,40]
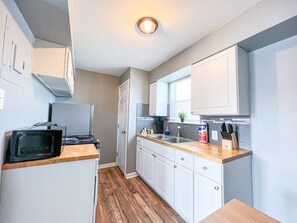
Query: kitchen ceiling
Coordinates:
[106,39]
[104,32]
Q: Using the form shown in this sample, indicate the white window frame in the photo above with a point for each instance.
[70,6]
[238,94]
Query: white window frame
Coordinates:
[172,102]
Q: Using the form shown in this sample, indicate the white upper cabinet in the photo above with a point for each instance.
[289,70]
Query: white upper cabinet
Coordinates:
[16,51]
[220,84]
[52,64]
[158,99]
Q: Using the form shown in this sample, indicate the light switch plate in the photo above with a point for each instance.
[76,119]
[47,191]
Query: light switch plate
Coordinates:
[214,135]
[2,93]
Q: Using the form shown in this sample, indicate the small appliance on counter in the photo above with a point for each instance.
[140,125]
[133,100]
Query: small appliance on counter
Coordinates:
[159,125]
[229,139]
[78,122]
[41,141]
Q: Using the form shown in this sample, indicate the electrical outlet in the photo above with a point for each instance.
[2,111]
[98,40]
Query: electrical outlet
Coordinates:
[2,92]
[214,135]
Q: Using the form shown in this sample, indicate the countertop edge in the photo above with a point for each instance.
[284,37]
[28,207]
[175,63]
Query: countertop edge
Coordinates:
[50,161]
[180,147]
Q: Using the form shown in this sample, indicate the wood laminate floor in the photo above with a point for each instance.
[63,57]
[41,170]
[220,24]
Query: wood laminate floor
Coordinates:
[122,200]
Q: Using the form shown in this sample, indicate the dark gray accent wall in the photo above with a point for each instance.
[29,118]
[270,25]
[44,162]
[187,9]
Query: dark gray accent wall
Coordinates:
[273,129]
[101,90]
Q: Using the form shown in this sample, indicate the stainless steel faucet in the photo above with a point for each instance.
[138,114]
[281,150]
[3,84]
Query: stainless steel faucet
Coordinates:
[178,132]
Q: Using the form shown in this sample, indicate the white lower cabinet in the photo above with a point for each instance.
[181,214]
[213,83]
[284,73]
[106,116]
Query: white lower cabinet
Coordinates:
[164,181]
[194,186]
[139,160]
[148,166]
[184,192]
[207,197]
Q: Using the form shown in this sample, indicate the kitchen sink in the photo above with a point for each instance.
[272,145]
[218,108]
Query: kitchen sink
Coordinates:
[161,137]
[177,140]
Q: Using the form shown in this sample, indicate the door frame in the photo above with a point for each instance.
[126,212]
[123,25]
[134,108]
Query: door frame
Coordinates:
[127,123]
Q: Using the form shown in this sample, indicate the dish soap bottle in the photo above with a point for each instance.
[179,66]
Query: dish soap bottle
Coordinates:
[167,132]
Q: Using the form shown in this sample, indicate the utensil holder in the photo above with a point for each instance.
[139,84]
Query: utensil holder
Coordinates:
[230,144]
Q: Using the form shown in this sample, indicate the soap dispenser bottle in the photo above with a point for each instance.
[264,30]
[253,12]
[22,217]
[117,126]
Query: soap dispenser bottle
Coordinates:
[167,132]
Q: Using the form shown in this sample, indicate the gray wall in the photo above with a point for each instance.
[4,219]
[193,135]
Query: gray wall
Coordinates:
[125,76]
[256,19]
[23,106]
[102,91]
[139,89]
[273,129]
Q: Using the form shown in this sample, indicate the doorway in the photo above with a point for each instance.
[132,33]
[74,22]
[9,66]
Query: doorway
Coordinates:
[124,91]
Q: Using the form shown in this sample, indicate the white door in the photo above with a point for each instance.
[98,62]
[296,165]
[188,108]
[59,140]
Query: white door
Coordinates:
[164,181]
[122,129]
[184,191]
[148,166]
[207,196]
[139,160]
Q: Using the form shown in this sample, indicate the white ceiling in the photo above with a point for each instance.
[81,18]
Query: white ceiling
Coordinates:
[106,40]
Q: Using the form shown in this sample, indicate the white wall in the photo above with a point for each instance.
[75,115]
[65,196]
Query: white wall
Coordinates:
[273,129]
[23,106]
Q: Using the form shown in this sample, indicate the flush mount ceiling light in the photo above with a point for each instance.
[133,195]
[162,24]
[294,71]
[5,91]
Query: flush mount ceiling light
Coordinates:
[147,25]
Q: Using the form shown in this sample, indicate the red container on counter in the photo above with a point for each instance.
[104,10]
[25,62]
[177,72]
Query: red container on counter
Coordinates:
[202,132]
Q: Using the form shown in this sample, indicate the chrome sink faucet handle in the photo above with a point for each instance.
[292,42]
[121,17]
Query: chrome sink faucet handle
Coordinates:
[178,131]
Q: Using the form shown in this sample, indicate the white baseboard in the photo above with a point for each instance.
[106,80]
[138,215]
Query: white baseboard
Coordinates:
[131,175]
[107,165]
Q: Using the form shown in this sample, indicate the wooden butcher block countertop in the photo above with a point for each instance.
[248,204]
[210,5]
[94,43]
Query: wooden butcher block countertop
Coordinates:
[209,151]
[68,154]
[235,211]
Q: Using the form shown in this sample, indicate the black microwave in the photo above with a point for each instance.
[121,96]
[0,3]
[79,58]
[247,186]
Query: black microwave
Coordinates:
[28,145]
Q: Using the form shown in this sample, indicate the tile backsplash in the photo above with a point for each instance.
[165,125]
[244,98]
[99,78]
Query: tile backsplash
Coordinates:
[241,125]
[143,118]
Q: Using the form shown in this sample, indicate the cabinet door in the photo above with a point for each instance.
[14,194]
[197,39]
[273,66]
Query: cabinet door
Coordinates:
[139,161]
[148,166]
[152,105]
[17,54]
[207,197]
[215,76]
[184,182]
[164,181]
[161,98]
[69,71]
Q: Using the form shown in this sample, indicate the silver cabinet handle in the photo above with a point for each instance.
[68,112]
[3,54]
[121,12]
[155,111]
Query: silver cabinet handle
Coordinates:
[205,168]
[182,159]
[175,166]
[216,188]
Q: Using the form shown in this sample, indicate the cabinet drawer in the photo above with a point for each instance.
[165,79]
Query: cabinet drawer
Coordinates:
[208,169]
[158,149]
[184,159]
